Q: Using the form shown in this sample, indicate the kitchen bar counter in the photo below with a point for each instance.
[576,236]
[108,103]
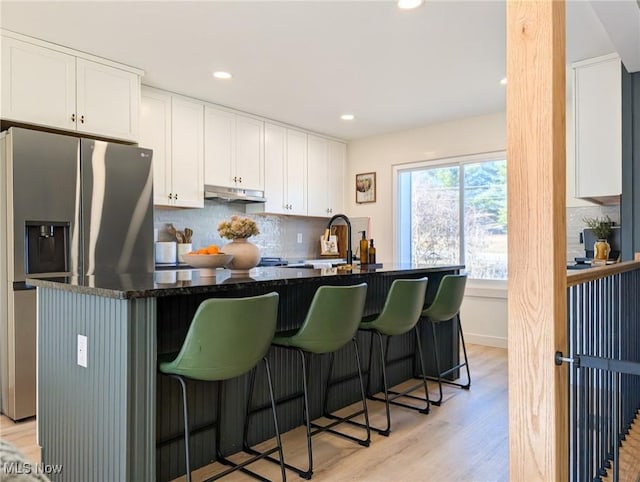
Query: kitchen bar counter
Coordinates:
[189,281]
[116,419]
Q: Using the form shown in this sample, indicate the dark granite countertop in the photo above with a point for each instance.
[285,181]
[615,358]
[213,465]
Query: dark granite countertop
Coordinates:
[183,282]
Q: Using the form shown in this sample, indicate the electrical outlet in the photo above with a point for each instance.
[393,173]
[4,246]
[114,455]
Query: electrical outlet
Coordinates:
[299,238]
[82,351]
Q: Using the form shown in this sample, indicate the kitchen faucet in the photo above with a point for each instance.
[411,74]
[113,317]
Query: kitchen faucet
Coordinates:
[346,220]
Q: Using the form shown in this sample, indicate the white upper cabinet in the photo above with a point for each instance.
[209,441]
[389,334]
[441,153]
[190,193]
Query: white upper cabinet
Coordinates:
[187,152]
[234,150]
[285,167]
[38,85]
[598,129]
[337,158]
[108,100]
[173,127]
[53,87]
[318,204]
[296,172]
[155,133]
[326,161]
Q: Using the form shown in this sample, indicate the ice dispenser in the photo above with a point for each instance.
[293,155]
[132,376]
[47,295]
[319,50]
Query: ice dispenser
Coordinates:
[47,247]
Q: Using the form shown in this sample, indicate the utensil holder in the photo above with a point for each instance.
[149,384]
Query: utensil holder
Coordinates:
[184,248]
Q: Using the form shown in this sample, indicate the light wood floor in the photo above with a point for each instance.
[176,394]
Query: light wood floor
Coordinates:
[465,439]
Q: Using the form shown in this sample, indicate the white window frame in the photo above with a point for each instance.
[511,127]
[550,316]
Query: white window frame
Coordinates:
[442,162]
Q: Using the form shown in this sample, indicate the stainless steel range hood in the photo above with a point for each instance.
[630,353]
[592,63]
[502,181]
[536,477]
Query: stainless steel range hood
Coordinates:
[232,195]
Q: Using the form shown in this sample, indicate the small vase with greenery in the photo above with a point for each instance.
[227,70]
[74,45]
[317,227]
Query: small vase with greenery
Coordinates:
[601,226]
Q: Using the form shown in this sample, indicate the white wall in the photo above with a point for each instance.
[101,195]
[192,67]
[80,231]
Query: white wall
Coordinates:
[378,154]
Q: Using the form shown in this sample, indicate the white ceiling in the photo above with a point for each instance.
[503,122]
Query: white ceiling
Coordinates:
[305,63]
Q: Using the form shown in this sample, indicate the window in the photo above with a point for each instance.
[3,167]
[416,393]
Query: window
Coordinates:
[455,212]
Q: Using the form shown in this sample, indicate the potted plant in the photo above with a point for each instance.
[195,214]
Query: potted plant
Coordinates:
[602,229]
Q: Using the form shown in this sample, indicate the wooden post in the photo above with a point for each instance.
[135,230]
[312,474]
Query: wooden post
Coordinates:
[537,239]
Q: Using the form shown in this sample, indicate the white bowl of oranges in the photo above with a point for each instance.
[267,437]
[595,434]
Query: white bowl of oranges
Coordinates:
[208,259]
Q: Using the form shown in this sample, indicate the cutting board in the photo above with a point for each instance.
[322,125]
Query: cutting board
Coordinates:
[341,233]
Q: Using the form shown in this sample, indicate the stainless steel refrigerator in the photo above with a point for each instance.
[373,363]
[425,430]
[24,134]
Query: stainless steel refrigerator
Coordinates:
[69,207]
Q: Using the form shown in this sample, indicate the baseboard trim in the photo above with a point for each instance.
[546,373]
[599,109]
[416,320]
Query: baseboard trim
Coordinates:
[486,340]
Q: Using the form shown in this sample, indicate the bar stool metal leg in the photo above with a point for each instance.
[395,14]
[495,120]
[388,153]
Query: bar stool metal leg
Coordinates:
[185,412]
[305,474]
[407,392]
[245,443]
[441,374]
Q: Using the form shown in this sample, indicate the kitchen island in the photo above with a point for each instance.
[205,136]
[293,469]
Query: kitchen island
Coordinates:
[115,419]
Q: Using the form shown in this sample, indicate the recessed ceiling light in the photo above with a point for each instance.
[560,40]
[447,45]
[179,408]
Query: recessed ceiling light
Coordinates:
[222,75]
[409,4]
[347,117]
[503,81]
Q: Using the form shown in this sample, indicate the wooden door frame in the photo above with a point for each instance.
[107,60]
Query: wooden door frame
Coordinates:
[536,179]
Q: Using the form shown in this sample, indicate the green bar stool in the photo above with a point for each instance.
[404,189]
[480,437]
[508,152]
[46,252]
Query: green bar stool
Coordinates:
[400,314]
[446,306]
[331,323]
[226,339]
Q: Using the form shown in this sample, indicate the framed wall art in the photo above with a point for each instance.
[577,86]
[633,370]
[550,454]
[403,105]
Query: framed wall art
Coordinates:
[366,188]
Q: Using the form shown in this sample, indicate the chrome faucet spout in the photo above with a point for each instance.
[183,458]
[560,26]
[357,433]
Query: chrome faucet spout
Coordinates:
[346,220]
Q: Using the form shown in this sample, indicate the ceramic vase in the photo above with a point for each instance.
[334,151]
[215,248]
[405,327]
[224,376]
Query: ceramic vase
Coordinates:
[246,255]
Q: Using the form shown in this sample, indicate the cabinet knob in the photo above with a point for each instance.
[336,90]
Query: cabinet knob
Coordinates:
[175,196]
[82,119]
[235,179]
[239,179]
[73,117]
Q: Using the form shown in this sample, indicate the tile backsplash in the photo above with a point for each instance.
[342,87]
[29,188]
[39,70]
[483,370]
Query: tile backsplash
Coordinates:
[575,225]
[278,234]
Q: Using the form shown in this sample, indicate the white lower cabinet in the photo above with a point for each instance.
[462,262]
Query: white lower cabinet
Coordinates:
[51,87]
[325,175]
[173,126]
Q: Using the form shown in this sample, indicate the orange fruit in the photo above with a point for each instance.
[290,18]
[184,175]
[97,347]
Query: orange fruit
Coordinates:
[212,249]
[203,251]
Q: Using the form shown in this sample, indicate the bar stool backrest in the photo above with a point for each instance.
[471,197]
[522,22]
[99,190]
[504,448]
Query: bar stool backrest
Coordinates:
[227,337]
[403,306]
[448,299]
[333,318]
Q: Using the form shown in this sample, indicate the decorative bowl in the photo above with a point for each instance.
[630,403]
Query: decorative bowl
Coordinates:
[208,262]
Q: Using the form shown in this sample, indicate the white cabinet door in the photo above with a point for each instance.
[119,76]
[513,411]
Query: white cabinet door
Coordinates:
[249,161]
[187,152]
[275,145]
[219,146]
[234,150]
[337,155]
[38,85]
[155,133]
[317,177]
[296,173]
[598,128]
[107,100]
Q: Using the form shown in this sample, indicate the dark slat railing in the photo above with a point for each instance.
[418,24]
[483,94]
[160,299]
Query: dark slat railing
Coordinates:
[604,378]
